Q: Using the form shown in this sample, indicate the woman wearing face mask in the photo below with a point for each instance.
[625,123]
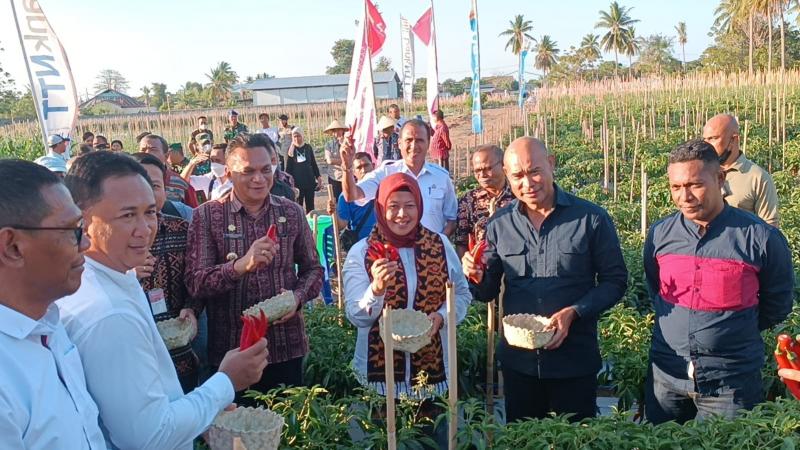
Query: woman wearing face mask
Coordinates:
[415,281]
[302,165]
[213,184]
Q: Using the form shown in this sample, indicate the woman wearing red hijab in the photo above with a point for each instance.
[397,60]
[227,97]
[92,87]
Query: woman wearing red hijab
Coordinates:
[415,281]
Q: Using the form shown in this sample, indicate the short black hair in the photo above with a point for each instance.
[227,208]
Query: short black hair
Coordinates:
[87,134]
[419,124]
[84,149]
[695,150]
[439,114]
[393,106]
[100,136]
[262,115]
[141,136]
[246,140]
[364,156]
[117,141]
[164,144]
[21,183]
[147,158]
[87,174]
[202,117]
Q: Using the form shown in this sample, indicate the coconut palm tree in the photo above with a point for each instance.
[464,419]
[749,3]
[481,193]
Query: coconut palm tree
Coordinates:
[221,81]
[146,94]
[681,29]
[633,45]
[731,14]
[518,33]
[616,20]
[546,54]
[590,47]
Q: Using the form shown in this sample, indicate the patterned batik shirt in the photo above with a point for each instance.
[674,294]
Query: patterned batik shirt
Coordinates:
[473,213]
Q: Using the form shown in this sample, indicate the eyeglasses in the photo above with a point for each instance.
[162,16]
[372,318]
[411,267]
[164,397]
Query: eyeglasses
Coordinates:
[486,169]
[77,230]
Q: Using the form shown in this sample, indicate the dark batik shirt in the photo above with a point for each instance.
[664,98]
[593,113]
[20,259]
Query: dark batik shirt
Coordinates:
[713,294]
[222,231]
[574,259]
[473,213]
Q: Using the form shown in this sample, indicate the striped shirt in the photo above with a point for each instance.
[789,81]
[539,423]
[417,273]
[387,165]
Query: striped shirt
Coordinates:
[713,294]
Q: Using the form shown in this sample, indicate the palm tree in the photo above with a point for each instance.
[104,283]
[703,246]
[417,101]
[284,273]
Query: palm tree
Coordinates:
[222,78]
[590,47]
[681,29]
[616,21]
[633,45]
[518,32]
[146,94]
[731,14]
[546,54]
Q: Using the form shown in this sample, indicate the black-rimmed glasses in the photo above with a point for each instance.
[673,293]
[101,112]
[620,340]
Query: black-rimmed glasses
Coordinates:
[77,230]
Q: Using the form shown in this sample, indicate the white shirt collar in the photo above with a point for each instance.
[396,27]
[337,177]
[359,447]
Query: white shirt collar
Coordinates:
[126,280]
[405,169]
[20,326]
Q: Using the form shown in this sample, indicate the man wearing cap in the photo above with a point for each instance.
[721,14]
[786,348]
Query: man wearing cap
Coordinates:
[336,131]
[234,127]
[284,138]
[386,147]
[271,132]
[58,146]
[55,164]
[199,164]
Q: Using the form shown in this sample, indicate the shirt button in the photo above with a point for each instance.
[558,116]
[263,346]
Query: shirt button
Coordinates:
[539,300]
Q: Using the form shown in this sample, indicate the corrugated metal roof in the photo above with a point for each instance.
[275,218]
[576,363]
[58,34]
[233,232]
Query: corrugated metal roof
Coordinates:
[315,81]
[115,97]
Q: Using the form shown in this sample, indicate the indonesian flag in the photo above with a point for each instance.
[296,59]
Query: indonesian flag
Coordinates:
[376,29]
[426,32]
[361,115]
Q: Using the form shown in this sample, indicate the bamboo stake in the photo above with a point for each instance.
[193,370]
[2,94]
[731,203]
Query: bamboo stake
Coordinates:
[644,200]
[388,354]
[338,252]
[452,367]
[490,330]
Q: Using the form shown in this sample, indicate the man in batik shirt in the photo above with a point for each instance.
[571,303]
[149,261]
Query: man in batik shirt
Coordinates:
[231,264]
[476,206]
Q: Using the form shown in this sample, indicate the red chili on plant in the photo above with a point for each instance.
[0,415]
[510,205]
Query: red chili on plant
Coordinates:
[786,357]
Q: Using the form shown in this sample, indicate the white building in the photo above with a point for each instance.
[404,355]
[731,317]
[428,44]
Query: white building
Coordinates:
[317,89]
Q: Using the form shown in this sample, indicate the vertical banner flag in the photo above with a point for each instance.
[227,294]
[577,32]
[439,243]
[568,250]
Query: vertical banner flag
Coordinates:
[407,49]
[51,80]
[477,120]
[425,30]
[521,80]
[360,113]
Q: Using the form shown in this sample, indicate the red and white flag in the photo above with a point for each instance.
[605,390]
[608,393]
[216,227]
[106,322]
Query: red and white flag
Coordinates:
[361,115]
[425,30]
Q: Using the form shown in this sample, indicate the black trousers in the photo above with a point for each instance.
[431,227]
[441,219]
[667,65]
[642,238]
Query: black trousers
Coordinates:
[306,196]
[337,188]
[289,373]
[529,396]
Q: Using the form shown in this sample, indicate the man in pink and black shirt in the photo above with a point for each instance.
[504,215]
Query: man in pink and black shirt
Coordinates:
[232,265]
[718,276]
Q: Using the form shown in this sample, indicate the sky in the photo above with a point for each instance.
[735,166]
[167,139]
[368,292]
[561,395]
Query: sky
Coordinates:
[177,41]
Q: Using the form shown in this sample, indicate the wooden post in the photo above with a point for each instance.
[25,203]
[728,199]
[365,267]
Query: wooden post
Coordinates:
[337,252]
[452,369]
[644,200]
[388,354]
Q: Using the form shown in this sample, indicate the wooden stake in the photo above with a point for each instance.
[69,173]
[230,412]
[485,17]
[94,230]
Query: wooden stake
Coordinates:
[338,252]
[388,354]
[644,200]
[452,369]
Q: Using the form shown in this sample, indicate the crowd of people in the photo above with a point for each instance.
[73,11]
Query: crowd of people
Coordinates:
[96,248]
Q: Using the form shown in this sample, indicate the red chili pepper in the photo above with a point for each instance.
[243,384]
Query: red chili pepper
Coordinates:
[375,251]
[787,359]
[477,251]
[471,244]
[245,337]
[390,253]
[272,233]
[790,347]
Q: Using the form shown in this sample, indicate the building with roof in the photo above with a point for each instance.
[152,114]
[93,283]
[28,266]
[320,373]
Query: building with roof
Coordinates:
[318,89]
[117,102]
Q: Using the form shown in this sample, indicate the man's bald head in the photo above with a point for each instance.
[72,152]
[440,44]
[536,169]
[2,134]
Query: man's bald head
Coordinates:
[529,168]
[722,131]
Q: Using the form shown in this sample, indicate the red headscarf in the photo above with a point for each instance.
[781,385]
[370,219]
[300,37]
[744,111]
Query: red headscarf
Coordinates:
[389,185]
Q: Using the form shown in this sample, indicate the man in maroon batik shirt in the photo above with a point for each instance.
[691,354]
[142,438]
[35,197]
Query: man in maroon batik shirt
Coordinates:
[232,265]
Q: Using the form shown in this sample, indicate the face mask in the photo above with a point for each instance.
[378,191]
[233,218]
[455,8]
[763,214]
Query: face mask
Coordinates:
[725,155]
[274,169]
[218,169]
[207,148]
[203,126]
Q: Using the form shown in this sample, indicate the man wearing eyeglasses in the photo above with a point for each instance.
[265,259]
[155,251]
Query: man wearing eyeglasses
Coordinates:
[128,368]
[476,206]
[43,396]
[232,265]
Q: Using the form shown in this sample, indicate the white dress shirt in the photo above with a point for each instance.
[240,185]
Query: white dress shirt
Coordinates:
[439,200]
[363,308]
[272,133]
[44,403]
[210,185]
[128,369]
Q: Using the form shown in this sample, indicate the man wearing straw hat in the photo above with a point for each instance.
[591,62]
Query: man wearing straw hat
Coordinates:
[387,146]
[561,259]
[336,131]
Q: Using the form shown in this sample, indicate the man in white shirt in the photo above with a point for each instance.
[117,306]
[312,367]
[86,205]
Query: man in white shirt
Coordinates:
[266,129]
[57,146]
[440,205]
[129,372]
[44,403]
[214,184]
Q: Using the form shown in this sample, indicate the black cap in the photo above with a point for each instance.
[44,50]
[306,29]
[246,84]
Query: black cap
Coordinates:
[283,117]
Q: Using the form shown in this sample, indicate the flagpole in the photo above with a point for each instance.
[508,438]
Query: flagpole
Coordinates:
[369,56]
[30,77]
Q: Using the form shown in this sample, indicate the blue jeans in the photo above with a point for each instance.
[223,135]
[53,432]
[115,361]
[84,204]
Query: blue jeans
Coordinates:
[669,398]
